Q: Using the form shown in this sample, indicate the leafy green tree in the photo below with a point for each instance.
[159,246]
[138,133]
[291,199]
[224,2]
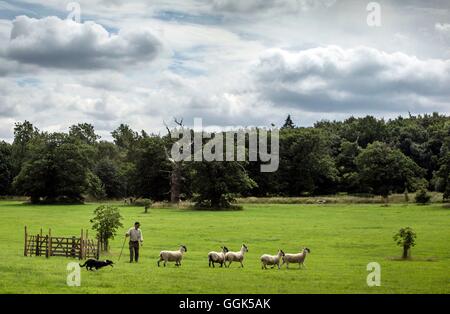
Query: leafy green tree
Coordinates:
[85,132]
[314,160]
[446,195]
[104,149]
[152,169]
[288,124]
[216,183]
[385,170]
[364,130]
[118,167]
[345,163]
[421,138]
[441,177]
[23,134]
[422,196]
[129,178]
[108,173]
[405,238]
[106,221]
[5,168]
[124,137]
[55,170]
[95,187]
[306,165]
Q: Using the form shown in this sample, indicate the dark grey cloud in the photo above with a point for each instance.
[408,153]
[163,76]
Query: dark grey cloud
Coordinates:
[55,43]
[333,79]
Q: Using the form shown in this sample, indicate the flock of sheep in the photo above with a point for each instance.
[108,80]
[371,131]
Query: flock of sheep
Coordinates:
[226,256]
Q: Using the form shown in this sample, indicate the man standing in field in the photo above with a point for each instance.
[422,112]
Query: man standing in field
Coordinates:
[136,237]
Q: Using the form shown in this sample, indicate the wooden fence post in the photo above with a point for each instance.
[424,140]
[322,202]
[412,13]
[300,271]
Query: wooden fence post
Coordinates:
[50,251]
[80,256]
[73,250]
[25,250]
[46,249]
[37,244]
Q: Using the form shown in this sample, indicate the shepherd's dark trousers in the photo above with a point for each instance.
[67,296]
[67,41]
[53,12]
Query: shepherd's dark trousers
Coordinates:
[134,251]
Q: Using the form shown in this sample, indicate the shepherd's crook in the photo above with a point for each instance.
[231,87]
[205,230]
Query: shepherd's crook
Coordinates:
[125,240]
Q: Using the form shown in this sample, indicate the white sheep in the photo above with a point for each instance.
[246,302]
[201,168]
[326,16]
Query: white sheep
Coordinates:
[296,258]
[236,256]
[273,260]
[217,257]
[172,256]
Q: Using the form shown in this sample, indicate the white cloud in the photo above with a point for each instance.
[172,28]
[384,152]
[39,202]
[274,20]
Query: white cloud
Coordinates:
[230,62]
[252,7]
[361,79]
[55,43]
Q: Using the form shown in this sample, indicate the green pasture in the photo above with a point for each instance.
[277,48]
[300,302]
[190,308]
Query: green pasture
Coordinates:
[343,239]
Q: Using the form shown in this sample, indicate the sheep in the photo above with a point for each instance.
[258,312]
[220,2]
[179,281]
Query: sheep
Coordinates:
[236,256]
[172,256]
[296,258]
[271,259]
[217,257]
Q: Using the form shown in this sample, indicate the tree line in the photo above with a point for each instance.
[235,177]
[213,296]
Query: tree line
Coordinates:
[357,156]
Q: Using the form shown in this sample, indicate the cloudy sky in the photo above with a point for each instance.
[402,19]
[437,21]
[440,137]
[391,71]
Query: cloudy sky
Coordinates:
[230,62]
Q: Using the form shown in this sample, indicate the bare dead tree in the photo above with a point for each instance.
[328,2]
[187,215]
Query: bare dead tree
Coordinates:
[176,171]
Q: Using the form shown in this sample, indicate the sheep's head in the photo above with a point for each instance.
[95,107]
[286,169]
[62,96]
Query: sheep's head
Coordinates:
[245,248]
[306,250]
[281,252]
[183,248]
[224,249]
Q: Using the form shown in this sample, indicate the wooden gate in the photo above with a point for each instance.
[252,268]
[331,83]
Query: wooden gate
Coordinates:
[81,247]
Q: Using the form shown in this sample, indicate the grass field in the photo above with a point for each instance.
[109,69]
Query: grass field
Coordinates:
[343,239]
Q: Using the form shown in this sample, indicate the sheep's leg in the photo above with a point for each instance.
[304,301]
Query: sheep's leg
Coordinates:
[165,263]
[229,263]
[242,265]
